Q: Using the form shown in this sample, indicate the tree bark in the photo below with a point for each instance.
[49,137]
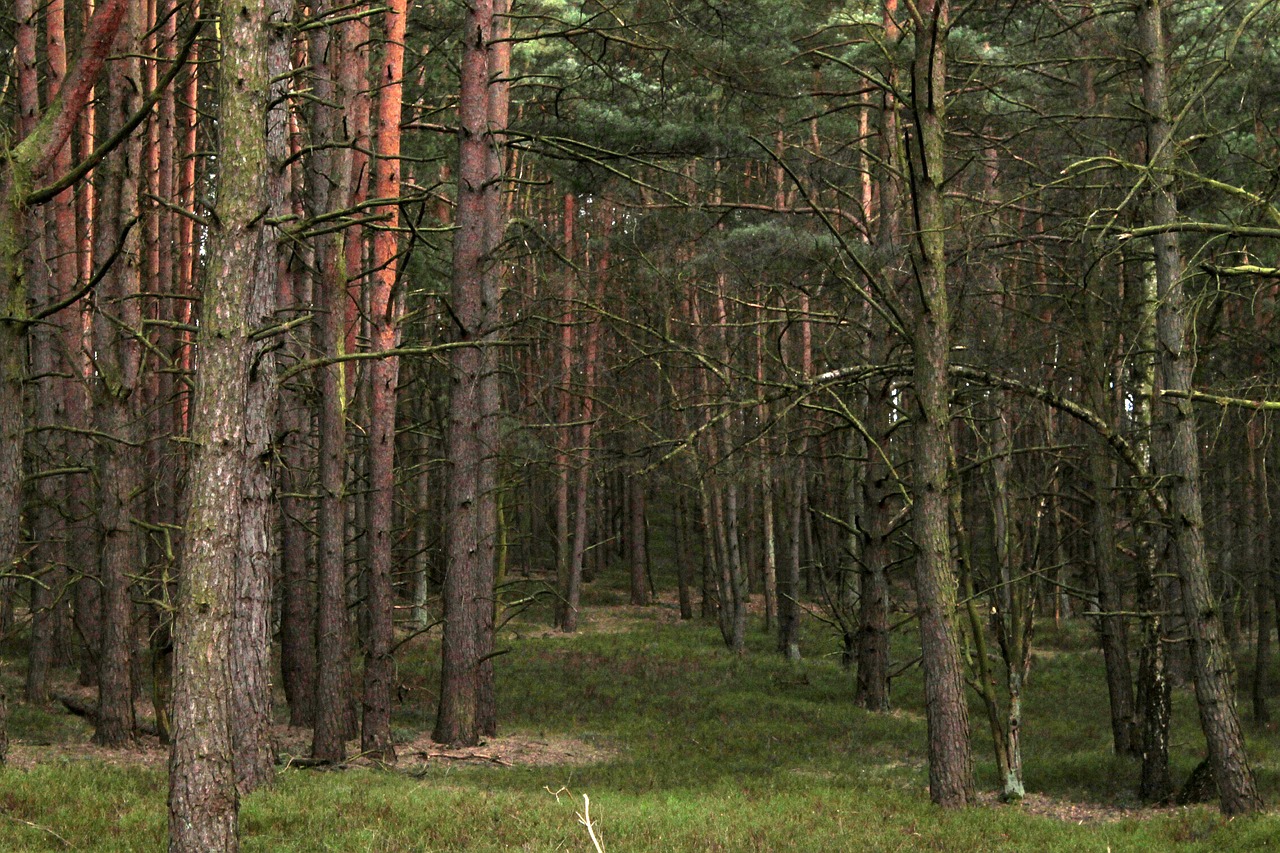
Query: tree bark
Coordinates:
[472,441]
[379,669]
[46,558]
[636,539]
[225,536]
[118,364]
[328,185]
[566,619]
[1209,655]
[1259,509]
[947,715]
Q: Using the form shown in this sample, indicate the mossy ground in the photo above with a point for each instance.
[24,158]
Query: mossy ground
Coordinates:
[686,747]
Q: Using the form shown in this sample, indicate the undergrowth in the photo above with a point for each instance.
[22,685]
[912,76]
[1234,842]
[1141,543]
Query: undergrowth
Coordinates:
[704,751]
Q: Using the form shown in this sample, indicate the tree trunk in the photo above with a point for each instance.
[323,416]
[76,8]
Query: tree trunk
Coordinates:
[879,500]
[737,572]
[220,628]
[581,495]
[472,442]
[1259,507]
[251,629]
[328,185]
[636,539]
[1111,622]
[1209,656]
[118,363]
[769,543]
[682,531]
[379,671]
[43,563]
[947,715]
[564,434]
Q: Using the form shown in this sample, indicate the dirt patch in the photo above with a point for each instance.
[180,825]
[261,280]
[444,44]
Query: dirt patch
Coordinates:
[508,751]
[516,750]
[294,745]
[612,619]
[146,752]
[1068,811]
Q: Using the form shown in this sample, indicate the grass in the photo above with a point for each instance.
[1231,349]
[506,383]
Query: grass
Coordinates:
[706,752]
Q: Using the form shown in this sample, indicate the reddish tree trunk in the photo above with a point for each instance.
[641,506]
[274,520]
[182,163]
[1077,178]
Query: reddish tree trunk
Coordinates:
[384,317]
[466,698]
[118,363]
[567,617]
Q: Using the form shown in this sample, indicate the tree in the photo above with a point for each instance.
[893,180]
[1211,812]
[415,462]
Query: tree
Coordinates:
[466,711]
[227,412]
[379,666]
[1209,656]
[24,166]
[950,764]
[329,178]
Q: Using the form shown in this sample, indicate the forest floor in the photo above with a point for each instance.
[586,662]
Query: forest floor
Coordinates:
[679,745]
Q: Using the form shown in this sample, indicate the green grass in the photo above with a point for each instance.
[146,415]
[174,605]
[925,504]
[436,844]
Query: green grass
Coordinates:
[708,752]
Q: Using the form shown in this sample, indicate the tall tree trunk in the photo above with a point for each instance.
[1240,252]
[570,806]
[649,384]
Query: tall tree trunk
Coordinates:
[1209,656]
[769,543]
[947,715]
[764,464]
[564,434]
[45,561]
[379,670]
[636,539]
[880,487]
[789,584]
[472,442]
[118,365]
[226,540]
[1153,690]
[496,215]
[298,462]
[1101,473]
[251,629]
[22,165]
[1111,621]
[1258,503]
[789,610]
[581,495]
[328,185]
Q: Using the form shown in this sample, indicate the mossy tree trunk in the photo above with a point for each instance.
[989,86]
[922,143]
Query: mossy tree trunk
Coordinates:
[947,716]
[212,644]
[1211,666]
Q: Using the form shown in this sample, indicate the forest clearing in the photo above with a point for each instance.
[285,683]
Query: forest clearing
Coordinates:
[679,744]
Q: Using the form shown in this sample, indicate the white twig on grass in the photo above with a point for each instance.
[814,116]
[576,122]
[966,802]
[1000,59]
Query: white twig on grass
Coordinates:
[584,818]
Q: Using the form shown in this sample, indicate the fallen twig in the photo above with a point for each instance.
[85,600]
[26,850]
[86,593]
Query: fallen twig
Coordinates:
[584,818]
[467,756]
